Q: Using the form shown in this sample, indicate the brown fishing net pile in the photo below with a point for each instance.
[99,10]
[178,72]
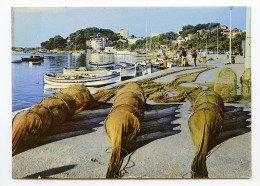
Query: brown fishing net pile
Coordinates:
[123,124]
[245,81]
[29,124]
[205,124]
[104,95]
[156,91]
[226,84]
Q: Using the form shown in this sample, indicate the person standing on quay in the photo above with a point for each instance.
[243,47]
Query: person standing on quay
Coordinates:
[194,56]
[203,55]
[178,58]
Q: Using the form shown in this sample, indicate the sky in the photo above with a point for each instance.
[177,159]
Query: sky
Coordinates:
[31,26]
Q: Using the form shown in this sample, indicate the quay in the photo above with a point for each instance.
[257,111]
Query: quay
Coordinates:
[79,148]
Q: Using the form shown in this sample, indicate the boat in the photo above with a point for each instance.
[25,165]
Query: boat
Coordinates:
[127,71]
[110,65]
[49,57]
[86,80]
[17,61]
[123,52]
[33,58]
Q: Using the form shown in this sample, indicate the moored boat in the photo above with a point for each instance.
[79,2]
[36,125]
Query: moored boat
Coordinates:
[127,71]
[89,81]
[17,61]
[33,58]
[110,65]
[49,57]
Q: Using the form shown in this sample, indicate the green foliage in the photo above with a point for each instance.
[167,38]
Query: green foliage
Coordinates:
[121,45]
[56,42]
[78,38]
[200,41]
[189,29]
[237,42]
[168,36]
[138,45]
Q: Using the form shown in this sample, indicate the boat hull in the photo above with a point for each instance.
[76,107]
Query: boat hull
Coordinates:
[127,72]
[88,82]
[33,58]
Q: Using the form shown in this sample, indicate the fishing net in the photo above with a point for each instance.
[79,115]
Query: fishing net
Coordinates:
[89,101]
[245,81]
[123,124]
[28,125]
[208,97]
[205,124]
[156,91]
[68,100]
[58,108]
[77,96]
[52,110]
[226,84]
[130,99]
[104,95]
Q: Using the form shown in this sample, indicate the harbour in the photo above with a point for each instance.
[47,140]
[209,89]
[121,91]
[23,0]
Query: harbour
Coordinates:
[88,124]
[127,97]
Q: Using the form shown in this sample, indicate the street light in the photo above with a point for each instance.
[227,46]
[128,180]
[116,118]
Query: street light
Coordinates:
[217,42]
[206,43]
[230,34]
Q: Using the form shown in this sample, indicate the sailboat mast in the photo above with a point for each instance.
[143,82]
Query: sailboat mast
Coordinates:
[153,55]
[146,42]
[166,49]
[150,43]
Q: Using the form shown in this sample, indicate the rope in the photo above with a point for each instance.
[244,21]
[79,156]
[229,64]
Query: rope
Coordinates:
[214,150]
[123,171]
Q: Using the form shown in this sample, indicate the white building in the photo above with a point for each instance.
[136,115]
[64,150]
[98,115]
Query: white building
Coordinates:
[68,41]
[223,26]
[98,43]
[179,40]
[124,33]
[133,40]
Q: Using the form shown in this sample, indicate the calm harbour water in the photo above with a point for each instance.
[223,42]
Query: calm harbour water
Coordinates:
[27,80]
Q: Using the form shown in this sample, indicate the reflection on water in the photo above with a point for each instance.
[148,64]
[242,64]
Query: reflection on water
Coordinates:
[27,80]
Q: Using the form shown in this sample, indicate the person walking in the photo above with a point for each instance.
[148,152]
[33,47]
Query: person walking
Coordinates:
[178,58]
[183,57]
[194,56]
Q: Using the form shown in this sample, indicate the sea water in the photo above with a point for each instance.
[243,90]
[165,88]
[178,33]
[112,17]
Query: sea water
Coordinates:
[27,80]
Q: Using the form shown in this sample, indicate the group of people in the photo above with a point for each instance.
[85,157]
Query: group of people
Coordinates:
[181,56]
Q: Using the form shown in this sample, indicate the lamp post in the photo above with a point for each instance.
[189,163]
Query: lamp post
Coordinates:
[206,43]
[248,39]
[217,42]
[230,33]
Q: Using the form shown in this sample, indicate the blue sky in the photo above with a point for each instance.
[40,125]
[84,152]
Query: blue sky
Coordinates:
[31,26]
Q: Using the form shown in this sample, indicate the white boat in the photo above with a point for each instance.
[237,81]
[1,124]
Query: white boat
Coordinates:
[102,65]
[89,81]
[126,71]
[123,52]
[51,89]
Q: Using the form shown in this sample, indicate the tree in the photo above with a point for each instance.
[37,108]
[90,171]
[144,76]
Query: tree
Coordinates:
[237,42]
